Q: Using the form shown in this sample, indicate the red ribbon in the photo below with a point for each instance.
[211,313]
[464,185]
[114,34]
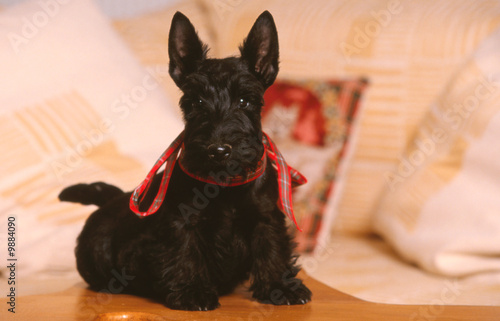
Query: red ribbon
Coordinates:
[169,157]
[287,178]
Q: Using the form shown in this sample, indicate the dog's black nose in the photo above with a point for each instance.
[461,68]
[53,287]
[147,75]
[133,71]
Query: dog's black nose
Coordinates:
[219,152]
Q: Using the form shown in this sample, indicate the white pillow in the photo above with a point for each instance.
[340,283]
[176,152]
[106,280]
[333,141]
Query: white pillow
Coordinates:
[75,107]
[442,206]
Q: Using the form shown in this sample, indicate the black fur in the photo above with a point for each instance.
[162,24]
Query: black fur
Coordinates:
[205,239]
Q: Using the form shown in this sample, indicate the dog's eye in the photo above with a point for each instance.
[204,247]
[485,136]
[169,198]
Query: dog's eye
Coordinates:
[243,103]
[197,103]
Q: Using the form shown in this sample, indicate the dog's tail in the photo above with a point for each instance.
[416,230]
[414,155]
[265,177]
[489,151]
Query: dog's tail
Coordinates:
[96,193]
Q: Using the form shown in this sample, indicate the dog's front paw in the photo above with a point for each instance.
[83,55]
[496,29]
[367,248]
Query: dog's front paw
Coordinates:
[290,293]
[192,299]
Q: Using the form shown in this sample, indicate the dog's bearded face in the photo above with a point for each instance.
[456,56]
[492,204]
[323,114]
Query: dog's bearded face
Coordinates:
[223,125]
[222,98]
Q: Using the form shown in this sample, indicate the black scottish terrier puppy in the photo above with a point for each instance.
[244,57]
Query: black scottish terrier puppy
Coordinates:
[220,220]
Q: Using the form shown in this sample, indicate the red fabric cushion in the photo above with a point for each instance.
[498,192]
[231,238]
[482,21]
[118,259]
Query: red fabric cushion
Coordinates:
[310,122]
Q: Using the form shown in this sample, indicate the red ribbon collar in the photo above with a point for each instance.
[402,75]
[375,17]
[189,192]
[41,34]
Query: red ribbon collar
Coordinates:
[287,177]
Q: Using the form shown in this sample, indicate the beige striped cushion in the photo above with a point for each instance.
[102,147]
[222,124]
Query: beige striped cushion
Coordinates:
[407,49]
[53,143]
[75,107]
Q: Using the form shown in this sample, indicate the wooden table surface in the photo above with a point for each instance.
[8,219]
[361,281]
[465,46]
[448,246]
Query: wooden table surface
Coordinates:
[78,303]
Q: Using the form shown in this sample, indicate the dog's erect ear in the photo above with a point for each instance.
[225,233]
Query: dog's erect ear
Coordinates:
[185,49]
[260,49]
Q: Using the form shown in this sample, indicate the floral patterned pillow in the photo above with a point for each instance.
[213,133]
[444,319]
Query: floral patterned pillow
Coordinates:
[310,121]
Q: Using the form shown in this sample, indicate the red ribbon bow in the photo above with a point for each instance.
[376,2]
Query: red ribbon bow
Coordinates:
[287,178]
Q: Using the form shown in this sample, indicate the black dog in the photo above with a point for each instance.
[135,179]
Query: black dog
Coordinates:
[206,237]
